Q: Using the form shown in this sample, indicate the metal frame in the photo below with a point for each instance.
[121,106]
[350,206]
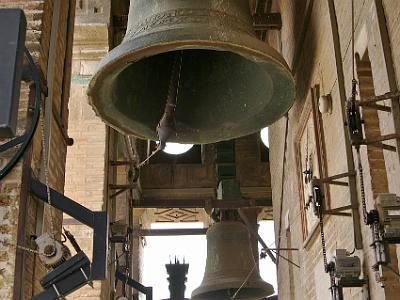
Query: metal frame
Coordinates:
[371,102]
[23,209]
[358,243]
[338,211]
[148,291]
[96,220]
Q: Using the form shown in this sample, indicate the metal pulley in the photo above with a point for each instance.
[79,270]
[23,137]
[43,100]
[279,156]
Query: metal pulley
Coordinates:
[52,252]
[229,83]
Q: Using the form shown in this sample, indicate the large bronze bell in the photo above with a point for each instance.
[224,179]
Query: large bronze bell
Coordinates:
[230,83]
[230,262]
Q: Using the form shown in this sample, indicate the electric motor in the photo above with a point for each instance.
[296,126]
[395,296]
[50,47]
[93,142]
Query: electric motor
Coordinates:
[388,206]
[346,266]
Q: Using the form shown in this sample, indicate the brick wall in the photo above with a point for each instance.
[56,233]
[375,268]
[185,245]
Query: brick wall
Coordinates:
[39,14]
[86,166]
[317,66]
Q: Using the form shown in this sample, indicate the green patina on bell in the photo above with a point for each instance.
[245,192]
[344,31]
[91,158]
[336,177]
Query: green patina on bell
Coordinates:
[231,83]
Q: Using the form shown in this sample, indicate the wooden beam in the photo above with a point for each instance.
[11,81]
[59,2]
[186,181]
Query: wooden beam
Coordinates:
[303,32]
[201,203]
[122,186]
[391,73]
[349,151]
[171,232]
[267,21]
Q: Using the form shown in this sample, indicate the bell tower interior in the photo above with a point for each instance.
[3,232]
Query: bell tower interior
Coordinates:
[199,149]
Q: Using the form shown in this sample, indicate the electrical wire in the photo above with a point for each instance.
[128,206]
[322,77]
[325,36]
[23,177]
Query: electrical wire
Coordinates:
[29,135]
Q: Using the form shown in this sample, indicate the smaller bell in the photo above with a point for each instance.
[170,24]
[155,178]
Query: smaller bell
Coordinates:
[231,270]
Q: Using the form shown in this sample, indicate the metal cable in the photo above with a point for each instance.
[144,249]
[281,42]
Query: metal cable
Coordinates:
[244,282]
[158,149]
[284,257]
[247,277]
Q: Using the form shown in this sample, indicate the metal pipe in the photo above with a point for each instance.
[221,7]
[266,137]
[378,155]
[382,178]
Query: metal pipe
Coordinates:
[260,240]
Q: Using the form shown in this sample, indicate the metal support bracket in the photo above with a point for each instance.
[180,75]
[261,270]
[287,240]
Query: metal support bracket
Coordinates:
[148,291]
[371,102]
[338,211]
[377,141]
[333,179]
[97,220]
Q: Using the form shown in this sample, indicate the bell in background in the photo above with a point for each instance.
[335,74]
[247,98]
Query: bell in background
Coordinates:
[230,262]
[228,83]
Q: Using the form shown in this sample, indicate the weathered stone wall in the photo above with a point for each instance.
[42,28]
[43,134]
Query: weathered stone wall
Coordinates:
[20,270]
[314,63]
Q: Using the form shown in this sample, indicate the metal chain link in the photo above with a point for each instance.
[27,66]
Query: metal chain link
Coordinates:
[46,171]
[28,249]
[32,251]
[324,251]
[362,187]
[323,242]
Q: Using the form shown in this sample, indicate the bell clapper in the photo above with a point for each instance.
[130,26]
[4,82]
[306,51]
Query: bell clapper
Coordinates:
[167,127]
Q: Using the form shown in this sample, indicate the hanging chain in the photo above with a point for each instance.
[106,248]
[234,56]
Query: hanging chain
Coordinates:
[323,242]
[46,172]
[46,178]
[29,250]
[353,99]
[362,187]
[324,251]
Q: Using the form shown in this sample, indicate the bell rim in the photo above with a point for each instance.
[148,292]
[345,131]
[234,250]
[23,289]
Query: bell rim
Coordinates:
[114,59]
[133,50]
[261,285]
